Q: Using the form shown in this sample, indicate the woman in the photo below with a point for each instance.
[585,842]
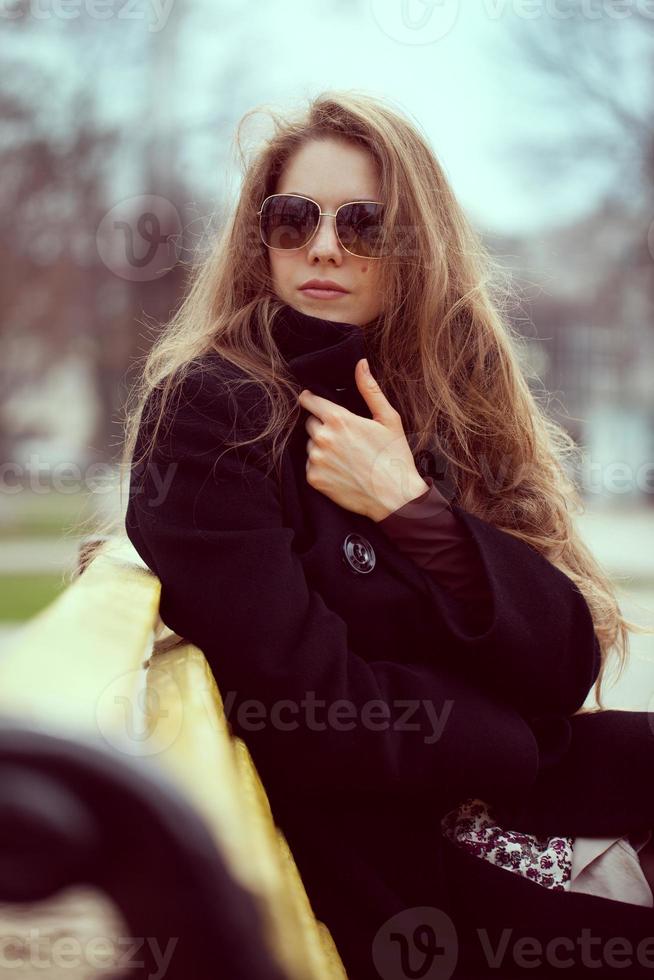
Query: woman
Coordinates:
[277,493]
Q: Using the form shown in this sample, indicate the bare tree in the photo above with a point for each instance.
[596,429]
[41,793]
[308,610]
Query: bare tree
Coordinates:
[596,66]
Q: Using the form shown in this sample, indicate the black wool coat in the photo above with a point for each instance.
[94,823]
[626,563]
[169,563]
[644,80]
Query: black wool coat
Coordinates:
[370,703]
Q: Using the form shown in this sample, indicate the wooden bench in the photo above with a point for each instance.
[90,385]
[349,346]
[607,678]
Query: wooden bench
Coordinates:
[97,679]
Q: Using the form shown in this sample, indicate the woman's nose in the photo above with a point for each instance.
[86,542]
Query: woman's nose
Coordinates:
[325,240]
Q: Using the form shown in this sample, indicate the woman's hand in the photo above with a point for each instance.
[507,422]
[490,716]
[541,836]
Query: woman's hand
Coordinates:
[364,465]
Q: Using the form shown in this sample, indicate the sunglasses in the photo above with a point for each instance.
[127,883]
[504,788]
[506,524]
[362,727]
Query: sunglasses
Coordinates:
[289,221]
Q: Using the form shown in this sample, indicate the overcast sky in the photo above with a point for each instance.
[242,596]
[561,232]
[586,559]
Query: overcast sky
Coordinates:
[452,67]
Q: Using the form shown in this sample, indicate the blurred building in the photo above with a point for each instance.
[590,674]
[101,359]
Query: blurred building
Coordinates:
[588,289]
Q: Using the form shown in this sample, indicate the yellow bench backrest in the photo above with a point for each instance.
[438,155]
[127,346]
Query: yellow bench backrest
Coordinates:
[99,661]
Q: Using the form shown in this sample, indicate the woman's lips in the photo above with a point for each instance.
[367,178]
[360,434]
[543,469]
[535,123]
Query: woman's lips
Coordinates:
[323,293]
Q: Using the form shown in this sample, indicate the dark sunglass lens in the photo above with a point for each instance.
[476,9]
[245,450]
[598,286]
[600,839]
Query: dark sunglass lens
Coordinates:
[287,222]
[360,228]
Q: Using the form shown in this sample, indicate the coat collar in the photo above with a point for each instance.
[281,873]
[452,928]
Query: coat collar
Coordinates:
[322,355]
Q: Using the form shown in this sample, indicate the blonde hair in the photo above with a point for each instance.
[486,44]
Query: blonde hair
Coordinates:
[443,351]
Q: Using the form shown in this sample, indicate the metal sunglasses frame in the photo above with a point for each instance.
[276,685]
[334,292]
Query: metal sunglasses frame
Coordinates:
[331,214]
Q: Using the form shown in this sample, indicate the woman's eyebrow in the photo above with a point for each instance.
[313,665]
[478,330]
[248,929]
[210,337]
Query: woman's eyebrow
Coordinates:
[346,200]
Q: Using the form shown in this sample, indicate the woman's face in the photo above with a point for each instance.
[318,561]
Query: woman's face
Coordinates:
[332,173]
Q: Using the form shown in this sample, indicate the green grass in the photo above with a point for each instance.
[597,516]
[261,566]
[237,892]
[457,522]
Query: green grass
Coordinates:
[43,515]
[21,596]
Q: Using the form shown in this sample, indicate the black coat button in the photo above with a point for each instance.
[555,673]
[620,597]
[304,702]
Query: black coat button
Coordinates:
[358,553]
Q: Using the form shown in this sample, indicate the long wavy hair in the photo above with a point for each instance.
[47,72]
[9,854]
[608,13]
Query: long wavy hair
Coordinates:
[444,350]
